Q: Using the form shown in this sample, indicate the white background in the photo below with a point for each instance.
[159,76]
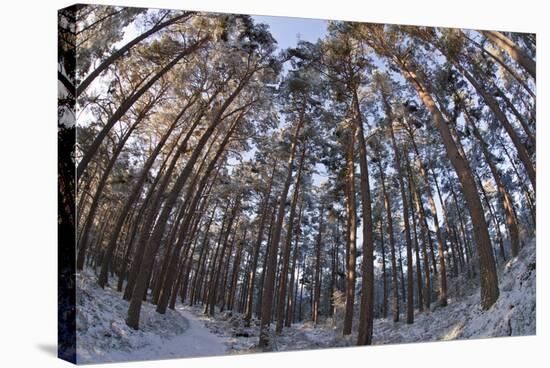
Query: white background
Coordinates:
[28,204]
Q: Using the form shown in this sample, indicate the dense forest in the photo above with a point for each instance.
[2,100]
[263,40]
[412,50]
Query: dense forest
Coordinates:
[360,177]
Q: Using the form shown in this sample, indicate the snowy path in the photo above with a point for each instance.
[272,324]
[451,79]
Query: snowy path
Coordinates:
[195,341]
[198,340]
[104,337]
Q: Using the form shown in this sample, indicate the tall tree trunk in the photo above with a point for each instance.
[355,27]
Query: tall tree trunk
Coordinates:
[506,200]
[425,234]
[148,224]
[219,270]
[89,222]
[522,119]
[318,276]
[269,284]
[502,63]
[419,285]
[264,262]
[120,52]
[448,228]
[526,192]
[408,241]
[389,216]
[257,246]
[496,223]
[129,102]
[134,193]
[384,283]
[513,50]
[236,269]
[288,245]
[501,116]
[488,275]
[351,233]
[442,276]
[291,299]
[198,190]
[134,309]
[366,314]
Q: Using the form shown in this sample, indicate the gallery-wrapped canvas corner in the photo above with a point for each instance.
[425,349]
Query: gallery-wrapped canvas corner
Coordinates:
[239,184]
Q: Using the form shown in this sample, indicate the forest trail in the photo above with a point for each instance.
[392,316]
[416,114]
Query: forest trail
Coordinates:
[197,340]
[104,336]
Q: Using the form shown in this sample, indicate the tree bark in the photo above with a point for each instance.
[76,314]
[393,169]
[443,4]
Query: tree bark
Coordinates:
[129,102]
[147,263]
[408,241]
[389,216]
[288,244]
[120,52]
[513,50]
[506,200]
[489,280]
[134,193]
[257,246]
[318,276]
[351,233]
[269,283]
[440,241]
[366,314]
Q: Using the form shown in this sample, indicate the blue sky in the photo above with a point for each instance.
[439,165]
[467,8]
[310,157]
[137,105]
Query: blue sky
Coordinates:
[287,30]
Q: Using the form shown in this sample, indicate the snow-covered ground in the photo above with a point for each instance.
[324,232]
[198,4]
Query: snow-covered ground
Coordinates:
[514,314]
[186,332]
[103,336]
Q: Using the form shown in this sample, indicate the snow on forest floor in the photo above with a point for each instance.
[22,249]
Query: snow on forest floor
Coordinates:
[512,315]
[103,336]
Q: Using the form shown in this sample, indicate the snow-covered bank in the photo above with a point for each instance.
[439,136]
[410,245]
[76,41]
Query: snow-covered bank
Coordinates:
[514,314]
[187,332]
[103,336]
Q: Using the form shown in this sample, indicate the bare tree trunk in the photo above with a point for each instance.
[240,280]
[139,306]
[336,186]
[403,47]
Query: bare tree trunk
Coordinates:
[496,223]
[136,190]
[384,282]
[167,283]
[288,245]
[366,314]
[488,275]
[442,276]
[526,193]
[419,285]
[425,233]
[501,116]
[213,294]
[99,191]
[351,234]
[317,277]
[513,50]
[408,241]
[264,263]
[502,63]
[448,229]
[291,293]
[506,200]
[269,284]
[254,266]
[120,52]
[389,216]
[134,309]
[235,272]
[129,102]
